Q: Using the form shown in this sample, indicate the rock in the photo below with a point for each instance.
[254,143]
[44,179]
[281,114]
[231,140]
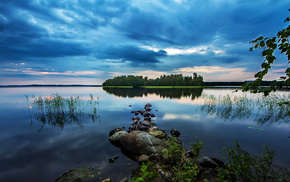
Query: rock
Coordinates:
[130,155]
[142,126]
[139,142]
[156,158]
[115,138]
[113,159]
[189,153]
[147,123]
[135,119]
[175,133]
[79,174]
[157,133]
[107,180]
[165,174]
[143,158]
[148,105]
[112,132]
[146,114]
[124,180]
[147,119]
[208,163]
[219,162]
[209,174]
[147,109]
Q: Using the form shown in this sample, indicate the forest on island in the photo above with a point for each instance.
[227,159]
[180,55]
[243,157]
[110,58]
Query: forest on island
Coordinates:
[163,80]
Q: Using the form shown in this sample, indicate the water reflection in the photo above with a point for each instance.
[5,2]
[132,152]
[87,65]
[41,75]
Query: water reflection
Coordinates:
[262,110]
[175,93]
[58,111]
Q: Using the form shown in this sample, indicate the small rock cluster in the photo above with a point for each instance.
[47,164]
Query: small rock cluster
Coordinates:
[145,142]
[142,139]
[144,125]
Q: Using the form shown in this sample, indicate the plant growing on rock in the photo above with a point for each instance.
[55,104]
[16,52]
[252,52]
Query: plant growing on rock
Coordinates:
[197,148]
[147,171]
[184,167]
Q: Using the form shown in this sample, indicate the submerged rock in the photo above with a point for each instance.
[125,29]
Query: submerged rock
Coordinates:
[175,133]
[80,174]
[107,180]
[113,159]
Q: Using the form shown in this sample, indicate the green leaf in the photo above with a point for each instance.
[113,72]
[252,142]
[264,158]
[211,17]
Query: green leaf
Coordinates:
[262,44]
[261,37]
[259,74]
[270,59]
[265,65]
[258,39]
[273,46]
[267,52]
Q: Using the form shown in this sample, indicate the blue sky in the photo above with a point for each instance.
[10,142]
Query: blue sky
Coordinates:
[87,42]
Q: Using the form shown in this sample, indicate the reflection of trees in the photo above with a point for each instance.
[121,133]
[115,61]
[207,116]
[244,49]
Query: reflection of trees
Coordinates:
[58,111]
[263,110]
[162,92]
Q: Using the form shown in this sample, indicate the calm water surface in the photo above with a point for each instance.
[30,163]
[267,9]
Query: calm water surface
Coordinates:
[30,154]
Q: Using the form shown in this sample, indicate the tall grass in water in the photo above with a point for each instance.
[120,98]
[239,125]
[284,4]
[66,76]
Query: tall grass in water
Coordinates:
[57,111]
[273,108]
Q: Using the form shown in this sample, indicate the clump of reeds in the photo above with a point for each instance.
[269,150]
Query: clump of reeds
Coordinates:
[273,108]
[57,111]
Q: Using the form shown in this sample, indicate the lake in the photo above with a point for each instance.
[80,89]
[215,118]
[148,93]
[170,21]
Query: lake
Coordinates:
[33,151]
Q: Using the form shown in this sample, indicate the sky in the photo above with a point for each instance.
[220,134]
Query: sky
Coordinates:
[89,41]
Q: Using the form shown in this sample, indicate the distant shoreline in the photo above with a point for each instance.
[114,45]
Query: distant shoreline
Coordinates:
[3,86]
[206,85]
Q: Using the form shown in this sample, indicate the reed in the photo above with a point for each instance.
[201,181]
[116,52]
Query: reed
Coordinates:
[273,108]
[58,111]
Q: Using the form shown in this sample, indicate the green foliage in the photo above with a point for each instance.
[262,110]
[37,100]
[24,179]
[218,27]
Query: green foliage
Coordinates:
[164,80]
[187,172]
[270,44]
[147,173]
[175,151]
[197,148]
[241,166]
[185,169]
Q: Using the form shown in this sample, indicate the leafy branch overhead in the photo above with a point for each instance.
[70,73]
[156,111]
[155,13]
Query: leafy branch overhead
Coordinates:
[270,45]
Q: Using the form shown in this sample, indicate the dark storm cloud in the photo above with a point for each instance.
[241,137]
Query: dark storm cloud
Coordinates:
[12,48]
[58,26]
[131,54]
[68,35]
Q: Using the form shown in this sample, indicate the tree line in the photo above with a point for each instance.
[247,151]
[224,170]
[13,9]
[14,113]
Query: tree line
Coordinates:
[171,93]
[163,80]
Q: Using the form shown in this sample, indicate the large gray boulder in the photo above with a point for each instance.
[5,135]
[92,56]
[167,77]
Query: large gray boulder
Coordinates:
[115,138]
[137,142]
